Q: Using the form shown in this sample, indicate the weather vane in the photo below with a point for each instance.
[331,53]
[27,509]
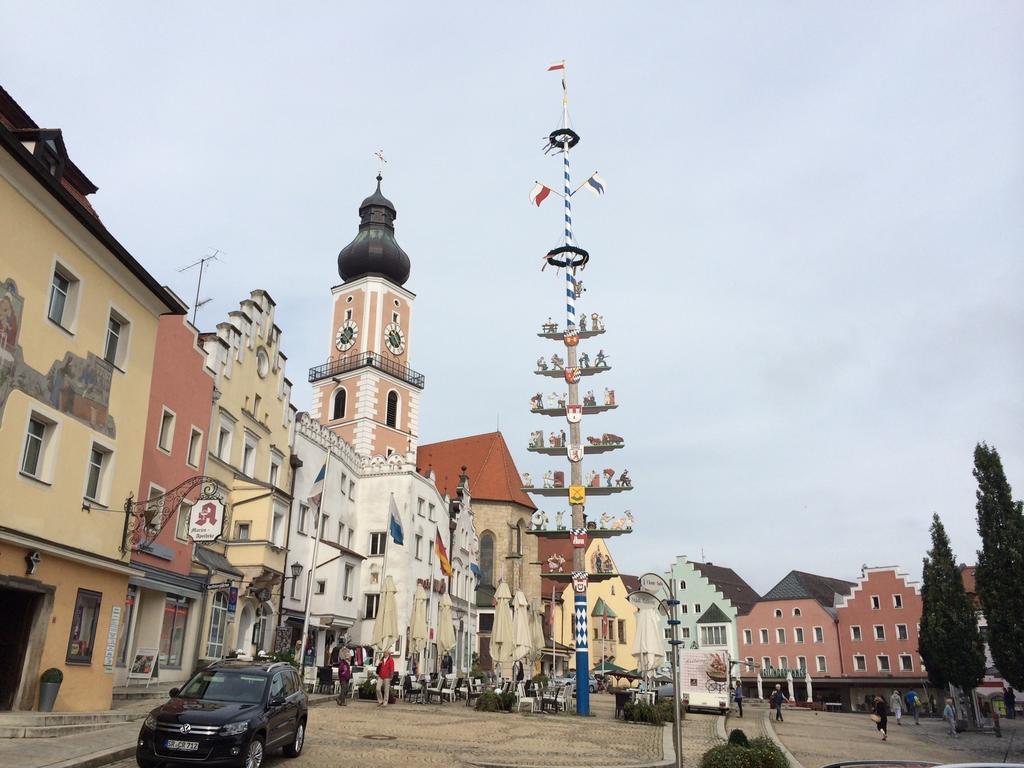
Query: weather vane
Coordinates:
[381,161]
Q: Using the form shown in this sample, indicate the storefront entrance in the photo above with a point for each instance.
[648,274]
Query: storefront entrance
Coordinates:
[18,609]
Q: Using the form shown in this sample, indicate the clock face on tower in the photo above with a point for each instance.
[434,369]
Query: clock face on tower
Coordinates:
[394,339]
[346,335]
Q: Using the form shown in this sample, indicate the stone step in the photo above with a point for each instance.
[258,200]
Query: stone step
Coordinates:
[141,692]
[46,719]
[51,731]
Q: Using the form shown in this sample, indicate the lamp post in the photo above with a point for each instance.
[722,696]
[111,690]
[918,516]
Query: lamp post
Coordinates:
[651,583]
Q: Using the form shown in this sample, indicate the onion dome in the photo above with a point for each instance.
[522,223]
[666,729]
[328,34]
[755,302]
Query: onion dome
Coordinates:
[374,251]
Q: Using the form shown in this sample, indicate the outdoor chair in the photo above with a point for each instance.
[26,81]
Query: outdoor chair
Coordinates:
[453,689]
[461,687]
[412,691]
[473,691]
[438,691]
[324,680]
[550,699]
[309,679]
[522,698]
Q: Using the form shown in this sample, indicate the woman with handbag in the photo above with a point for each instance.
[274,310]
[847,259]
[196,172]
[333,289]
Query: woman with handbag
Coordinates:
[879,715]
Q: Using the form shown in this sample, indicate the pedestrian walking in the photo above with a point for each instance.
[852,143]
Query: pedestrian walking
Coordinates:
[914,706]
[737,696]
[896,705]
[385,670]
[1010,702]
[344,675]
[949,715]
[778,697]
[880,715]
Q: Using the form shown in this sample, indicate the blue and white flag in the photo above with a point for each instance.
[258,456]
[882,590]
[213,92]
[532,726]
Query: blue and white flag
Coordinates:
[595,184]
[317,491]
[395,526]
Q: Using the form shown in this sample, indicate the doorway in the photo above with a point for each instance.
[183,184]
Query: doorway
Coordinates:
[18,607]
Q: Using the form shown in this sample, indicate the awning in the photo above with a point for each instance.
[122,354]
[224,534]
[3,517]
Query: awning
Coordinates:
[216,561]
[601,609]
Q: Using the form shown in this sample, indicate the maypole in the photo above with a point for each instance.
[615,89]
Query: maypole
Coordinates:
[570,257]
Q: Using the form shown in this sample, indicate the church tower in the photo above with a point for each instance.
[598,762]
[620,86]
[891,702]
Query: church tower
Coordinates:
[366,393]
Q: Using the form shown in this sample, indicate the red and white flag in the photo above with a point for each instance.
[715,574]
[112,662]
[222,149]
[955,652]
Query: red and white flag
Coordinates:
[556,65]
[539,193]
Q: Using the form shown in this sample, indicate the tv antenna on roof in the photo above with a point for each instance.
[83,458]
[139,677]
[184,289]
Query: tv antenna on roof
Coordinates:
[199,283]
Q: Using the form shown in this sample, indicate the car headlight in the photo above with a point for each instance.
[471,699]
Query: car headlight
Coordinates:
[149,722]
[233,729]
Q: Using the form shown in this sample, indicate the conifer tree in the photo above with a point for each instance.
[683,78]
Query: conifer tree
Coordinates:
[1000,564]
[949,643]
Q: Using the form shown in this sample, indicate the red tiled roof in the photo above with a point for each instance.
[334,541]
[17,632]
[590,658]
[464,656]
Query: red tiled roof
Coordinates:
[492,472]
[730,584]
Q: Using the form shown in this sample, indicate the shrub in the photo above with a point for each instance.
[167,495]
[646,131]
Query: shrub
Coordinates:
[540,679]
[488,702]
[507,700]
[724,756]
[762,753]
[739,738]
[765,753]
[655,714]
[52,675]
[286,656]
[367,689]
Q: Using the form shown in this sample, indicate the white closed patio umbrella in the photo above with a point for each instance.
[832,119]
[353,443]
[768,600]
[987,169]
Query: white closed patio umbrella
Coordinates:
[537,629]
[445,627]
[502,649]
[385,626]
[760,690]
[522,632]
[790,691]
[649,643]
[807,682]
[418,623]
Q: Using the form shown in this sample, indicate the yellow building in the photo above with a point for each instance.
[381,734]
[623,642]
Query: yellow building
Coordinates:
[78,322]
[249,454]
[611,617]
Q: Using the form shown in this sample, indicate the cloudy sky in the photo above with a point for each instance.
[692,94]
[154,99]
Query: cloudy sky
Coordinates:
[808,259]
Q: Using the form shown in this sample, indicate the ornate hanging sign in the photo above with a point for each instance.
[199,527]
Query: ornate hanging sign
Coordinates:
[577,495]
[573,413]
[206,520]
[579,581]
[573,375]
[571,337]
[575,453]
[145,518]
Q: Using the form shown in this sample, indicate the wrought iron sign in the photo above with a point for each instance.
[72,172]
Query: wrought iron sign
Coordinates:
[145,518]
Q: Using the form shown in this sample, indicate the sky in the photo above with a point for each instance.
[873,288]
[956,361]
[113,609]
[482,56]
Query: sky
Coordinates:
[808,257]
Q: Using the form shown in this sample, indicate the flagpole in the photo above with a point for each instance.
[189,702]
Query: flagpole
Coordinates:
[383,571]
[312,567]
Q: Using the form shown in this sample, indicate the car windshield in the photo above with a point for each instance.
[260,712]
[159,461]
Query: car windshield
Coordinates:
[223,685]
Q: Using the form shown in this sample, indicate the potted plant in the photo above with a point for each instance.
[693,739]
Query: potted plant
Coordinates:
[49,686]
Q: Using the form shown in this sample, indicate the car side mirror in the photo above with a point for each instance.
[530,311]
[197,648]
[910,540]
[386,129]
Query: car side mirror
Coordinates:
[277,700]
[174,692]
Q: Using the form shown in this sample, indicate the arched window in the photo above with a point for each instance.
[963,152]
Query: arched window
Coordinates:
[338,404]
[487,559]
[218,617]
[392,414]
[796,611]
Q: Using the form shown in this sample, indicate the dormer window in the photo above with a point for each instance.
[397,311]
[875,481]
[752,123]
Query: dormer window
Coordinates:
[48,155]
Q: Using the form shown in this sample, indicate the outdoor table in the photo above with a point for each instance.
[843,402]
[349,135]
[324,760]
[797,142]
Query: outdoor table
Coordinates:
[621,697]
[833,706]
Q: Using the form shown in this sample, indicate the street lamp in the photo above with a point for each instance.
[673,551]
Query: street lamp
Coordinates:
[651,583]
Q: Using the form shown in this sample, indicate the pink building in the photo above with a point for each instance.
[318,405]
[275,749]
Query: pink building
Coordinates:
[878,634]
[163,607]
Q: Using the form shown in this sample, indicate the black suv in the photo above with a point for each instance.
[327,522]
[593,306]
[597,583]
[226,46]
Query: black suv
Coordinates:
[229,714]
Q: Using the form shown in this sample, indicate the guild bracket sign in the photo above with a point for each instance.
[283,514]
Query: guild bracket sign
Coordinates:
[145,518]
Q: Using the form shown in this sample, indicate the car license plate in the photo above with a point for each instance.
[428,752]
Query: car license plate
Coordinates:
[184,746]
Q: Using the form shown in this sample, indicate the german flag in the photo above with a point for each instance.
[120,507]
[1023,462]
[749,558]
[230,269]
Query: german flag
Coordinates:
[442,555]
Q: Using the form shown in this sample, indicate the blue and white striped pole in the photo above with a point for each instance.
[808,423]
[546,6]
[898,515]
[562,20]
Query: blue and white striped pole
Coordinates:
[570,281]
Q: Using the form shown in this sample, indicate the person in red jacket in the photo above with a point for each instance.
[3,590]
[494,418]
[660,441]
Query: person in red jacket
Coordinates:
[384,671]
[344,675]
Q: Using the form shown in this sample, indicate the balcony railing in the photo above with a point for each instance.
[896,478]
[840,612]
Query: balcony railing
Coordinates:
[363,359]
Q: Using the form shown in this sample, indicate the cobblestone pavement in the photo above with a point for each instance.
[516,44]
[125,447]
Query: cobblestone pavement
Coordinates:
[817,739]
[417,736]
[698,737]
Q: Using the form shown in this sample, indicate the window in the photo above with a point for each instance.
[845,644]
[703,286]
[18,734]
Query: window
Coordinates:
[431,512]
[778,613]
[748,637]
[249,454]
[115,348]
[218,618]
[243,532]
[99,458]
[392,412]
[277,526]
[801,663]
[906,662]
[276,460]
[154,507]
[338,404]
[855,632]
[303,517]
[341,531]
[682,584]
[83,627]
[712,636]
[324,519]
[876,603]
[348,543]
[696,608]
[487,559]
[901,632]
[485,622]
[684,608]
[897,601]
[181,527]
[883,663]
[750,663]
[378,541]
[419,545]
[764,635]
[256,402]
[684,633]
[622,630]
[780,635]
[879,632]
[819,635]
[819,664]
[419,507]
[370,603]
[63,295]
[766,662]
[224,437]
[344,480]
[798,635]
[172,633]
[166,437]
[346,588]
[783,662]
[321,586]
[33,457]
[796,611]
[195,442]
[860,663]
[351,490]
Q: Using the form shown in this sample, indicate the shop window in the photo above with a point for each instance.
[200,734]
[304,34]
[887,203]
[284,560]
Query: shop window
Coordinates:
[83,627]
[172,633]
[218,620]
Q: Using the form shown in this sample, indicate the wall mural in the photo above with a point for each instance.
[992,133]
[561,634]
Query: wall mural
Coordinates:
[76,386]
